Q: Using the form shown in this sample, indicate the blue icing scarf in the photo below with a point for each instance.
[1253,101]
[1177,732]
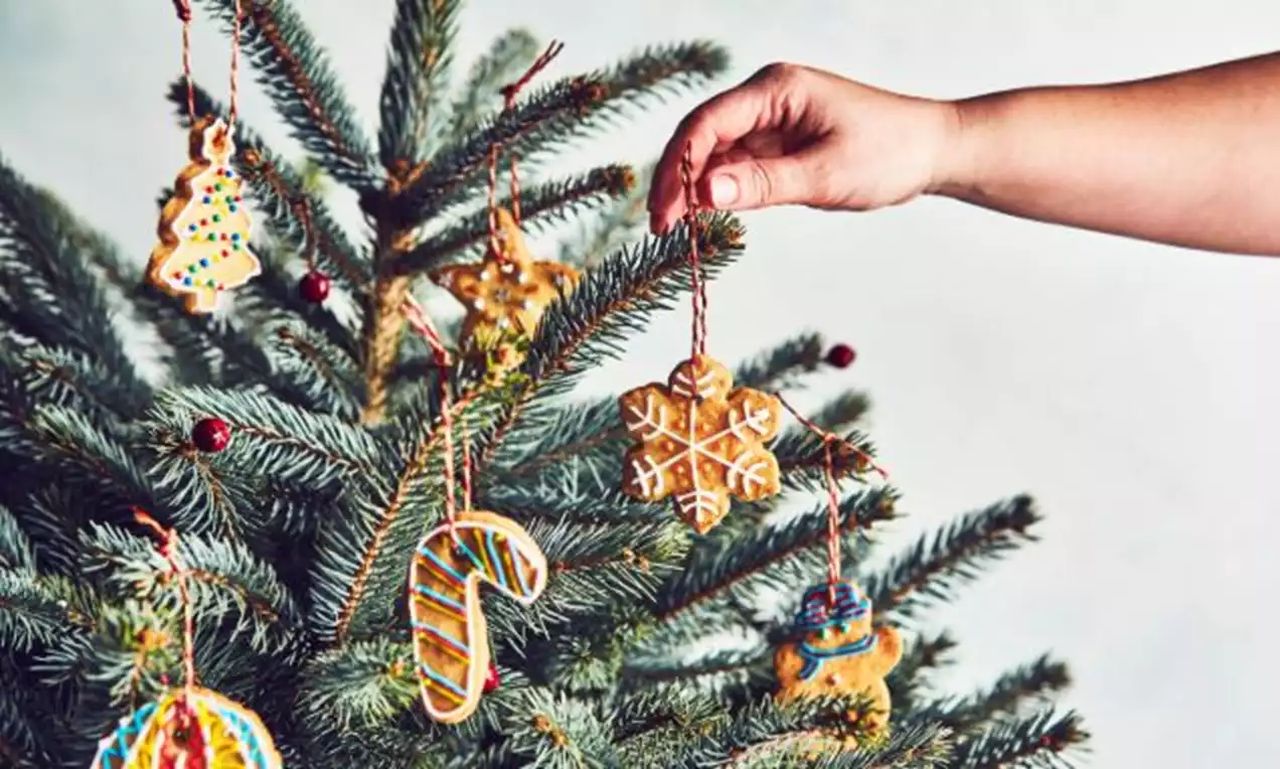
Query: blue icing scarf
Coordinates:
[815,656]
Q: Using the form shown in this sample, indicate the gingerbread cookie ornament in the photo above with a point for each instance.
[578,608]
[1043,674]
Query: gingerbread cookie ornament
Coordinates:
[839,652]
[450,636]
[189,728]
[700,442]
[204,228]
[506,293]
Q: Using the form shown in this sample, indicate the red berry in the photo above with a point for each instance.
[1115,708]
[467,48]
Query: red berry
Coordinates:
[841,355]
[491,679]
[314,286]
[211,435]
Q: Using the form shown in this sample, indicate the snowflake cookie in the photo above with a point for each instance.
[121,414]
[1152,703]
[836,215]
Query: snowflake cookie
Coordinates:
[700,442]
[508,291]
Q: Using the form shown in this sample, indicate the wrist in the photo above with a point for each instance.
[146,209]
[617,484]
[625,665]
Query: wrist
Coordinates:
[957,163]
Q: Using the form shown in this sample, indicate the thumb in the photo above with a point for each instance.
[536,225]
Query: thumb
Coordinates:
[758,183]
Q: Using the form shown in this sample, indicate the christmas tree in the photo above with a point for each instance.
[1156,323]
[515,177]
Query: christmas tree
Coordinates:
[300,449]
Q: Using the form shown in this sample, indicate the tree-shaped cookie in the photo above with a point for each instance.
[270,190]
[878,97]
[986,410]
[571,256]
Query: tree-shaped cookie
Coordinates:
[838,652]
[700,441]
[506,293]
[204,227]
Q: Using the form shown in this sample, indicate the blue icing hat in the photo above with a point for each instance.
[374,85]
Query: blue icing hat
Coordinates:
[817,611]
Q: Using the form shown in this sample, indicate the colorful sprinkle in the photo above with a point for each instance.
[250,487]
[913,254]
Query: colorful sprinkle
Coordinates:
[235,246]
[224,236]
[235,236]
[217,217]
[208,189]
[205,222]
[177,275]
[205,200]
[210,282]
[228,173]
[217,187]
[186,281]
[233,208]
[191,227]
[204,262]
[214,237]
[191,268]
[237,198]
[224,252]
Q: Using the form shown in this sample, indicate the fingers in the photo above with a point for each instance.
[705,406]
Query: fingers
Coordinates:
[759,182]
[712,127]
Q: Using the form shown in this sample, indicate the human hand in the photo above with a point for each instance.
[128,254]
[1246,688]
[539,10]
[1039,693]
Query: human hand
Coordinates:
[792,134]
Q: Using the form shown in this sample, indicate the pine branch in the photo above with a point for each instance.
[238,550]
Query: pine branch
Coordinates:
[1034,681]
[31,612]
[563,733]
[783,366]
[229,585]
[772,555]
[606,307]
[360,686]
[722,673]
[64,377]
[325,376]
[17,554]
[508,56]
[541,205]
[295,73]
[361,554]
[621,222]
[802,455]
[278,189]
[550,118]
[910,679]
[41,262]
[274,297]
[418,64]
[72,443]
[930,570]
[1045,740]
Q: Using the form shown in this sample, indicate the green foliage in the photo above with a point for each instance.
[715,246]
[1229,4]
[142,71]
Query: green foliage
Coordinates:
[650,646]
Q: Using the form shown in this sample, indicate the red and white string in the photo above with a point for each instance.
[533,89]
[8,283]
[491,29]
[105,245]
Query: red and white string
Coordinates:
[421,322]
[698,283]
[168,547]
[183,9]
[829,440]
[509,93]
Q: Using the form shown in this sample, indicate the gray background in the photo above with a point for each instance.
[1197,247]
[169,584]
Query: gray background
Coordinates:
[1131,387]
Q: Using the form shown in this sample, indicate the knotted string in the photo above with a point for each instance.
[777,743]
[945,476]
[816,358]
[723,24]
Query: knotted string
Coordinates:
[421,322]
[830,439]
[168,548]
[698,284]
[183,9]
[509,93]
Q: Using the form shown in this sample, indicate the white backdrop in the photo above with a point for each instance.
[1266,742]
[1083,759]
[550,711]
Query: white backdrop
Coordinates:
[1130,387]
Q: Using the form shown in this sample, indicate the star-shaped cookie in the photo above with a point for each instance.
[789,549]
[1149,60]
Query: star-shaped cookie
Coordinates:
[700,441]
[507,292]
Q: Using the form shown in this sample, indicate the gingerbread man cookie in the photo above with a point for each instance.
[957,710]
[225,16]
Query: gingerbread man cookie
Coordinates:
[507,292]
[204,228]
[839,652]
[450,635]
[700,441]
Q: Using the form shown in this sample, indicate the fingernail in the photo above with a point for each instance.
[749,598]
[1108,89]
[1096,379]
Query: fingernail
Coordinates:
[655,223]
[724,191]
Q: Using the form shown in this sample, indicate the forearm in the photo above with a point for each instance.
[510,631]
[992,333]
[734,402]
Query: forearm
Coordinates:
[1191,159]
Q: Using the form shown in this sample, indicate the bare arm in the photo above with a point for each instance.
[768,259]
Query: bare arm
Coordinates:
[1191,158]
